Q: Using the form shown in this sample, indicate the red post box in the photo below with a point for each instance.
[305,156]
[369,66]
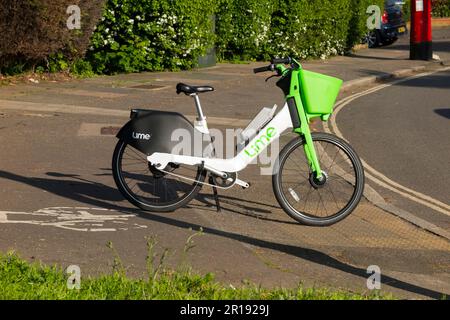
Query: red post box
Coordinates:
[421,36]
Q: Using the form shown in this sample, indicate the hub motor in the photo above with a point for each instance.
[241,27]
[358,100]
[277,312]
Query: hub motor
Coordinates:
[317,183]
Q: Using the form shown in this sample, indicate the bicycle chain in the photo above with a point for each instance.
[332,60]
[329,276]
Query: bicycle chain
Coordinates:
[198,181]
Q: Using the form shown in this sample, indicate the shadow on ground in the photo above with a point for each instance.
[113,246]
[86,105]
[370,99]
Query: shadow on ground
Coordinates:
[444,112]
[374,57]
[98,194]
[437,46]
[439,80]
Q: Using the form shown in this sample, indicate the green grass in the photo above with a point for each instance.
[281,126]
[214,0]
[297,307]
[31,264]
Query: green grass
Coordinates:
[20,279]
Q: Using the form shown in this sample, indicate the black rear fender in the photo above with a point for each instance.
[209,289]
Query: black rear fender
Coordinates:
[151,131]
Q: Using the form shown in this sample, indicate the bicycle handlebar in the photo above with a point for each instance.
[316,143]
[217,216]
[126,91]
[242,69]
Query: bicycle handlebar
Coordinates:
[274,62]
[263,69]
[281,60]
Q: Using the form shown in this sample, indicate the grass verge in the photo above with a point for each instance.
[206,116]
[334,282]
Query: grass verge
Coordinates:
[20,279]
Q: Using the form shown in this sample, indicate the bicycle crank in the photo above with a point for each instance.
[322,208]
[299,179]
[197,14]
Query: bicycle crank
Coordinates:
[220,182]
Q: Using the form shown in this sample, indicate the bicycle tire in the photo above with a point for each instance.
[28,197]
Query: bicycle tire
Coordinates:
[307,218]
[144,203]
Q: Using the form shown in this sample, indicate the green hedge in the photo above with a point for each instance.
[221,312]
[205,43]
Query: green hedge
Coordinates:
[137,35]
[357,26]
[314,28]
[154,35]
[441,8]
[35,32]
[243,28]
[253,30]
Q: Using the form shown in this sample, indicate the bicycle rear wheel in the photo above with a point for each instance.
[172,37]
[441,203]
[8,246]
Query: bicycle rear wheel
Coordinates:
[303,196]
[149,188]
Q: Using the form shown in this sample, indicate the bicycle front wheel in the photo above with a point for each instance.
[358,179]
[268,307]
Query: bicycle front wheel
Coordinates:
[303,196]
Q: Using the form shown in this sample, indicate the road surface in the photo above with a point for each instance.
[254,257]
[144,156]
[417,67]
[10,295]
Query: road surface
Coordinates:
[403,131]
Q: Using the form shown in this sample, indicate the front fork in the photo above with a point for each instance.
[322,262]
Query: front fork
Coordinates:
[308,147]
[303,128]
[305,132]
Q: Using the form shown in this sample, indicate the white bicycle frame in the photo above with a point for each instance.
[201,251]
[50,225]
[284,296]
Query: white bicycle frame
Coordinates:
[271,131]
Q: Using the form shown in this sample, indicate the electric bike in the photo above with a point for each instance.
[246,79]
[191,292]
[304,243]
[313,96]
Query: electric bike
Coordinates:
[318,178]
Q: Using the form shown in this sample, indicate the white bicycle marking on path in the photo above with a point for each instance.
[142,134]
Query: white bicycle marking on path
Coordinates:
[377,176]
[73,218]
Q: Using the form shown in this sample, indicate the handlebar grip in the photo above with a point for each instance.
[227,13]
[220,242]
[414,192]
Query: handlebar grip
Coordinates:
[281,60]
[262,69]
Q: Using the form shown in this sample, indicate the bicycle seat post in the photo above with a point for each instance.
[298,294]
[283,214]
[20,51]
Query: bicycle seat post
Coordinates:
[198,106]
[200,123]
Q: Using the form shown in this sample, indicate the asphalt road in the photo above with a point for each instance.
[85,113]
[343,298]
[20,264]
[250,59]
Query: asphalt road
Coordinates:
[403,131]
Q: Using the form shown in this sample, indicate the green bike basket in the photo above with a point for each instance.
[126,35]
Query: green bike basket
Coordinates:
[318,92]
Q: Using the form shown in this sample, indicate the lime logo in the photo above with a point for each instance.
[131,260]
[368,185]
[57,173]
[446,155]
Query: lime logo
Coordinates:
[141,136]
[260,143]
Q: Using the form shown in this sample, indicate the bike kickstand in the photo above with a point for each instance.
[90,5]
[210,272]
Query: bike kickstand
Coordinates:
[216,195]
